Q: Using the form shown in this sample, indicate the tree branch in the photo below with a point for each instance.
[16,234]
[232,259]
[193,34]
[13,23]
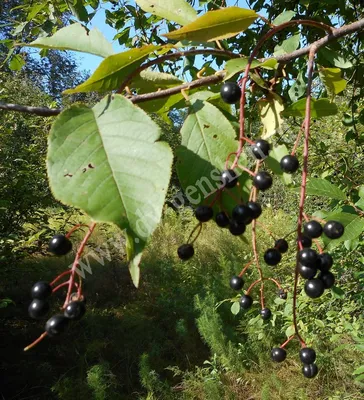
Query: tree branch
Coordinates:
[41,111]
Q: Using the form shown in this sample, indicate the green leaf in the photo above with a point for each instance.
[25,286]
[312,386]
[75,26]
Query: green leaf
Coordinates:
[270,110]
[285,16]
[173,10]
[107,162]
[337,292]
[359,371]
[298,89]
[331,78]
[319,108]
[216,25]
[237,65]
[149,81]
[16,63]
[273,160]
[334,58]
[113,70]
[290,331]
[235,308]
[288,45]
[319,323]
[35,10]
[77,38]
[322,187]
[79,10]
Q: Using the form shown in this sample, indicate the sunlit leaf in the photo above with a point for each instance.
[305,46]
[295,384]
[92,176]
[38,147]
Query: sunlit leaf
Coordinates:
[298,89]
[270,110]
[331,78]
[285,16]
[319,108]
[288,45]
[322,187]
[273,160]
[335,58]
[237,65]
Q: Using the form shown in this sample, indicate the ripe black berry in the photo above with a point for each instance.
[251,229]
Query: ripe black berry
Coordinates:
[281,245]
[333,229]
[230,92]
[235,228]
[307,355]
[60,245]
[314,288]
[185,251]
[41,290]
[327,278]
[265,313]
[242,214]
[246,302]
[306,241]
[222,219]
[272,257]
[282,294]
[229,178]
[307,272]
[260,149]
[236,283]
[262,180]
[75,310]
[204,213]
[38,308]
[289,164]
[278,354]
[309,370]
[312,229]
[307,257]
[56,325]
[324,262]
[256,209]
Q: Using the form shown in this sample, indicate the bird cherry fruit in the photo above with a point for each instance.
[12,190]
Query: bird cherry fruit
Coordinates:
[309,370]
[272,257]
[278,354]
[41,290]
[265,313]
[60,245]
[236,283]
[307,355]
[242,214]
[262,180]
[56,325]
[255,208]
[289,164]
[245,302]
[307,257]
[327,278]
[204,213]
[230,92]
[38,308]
[314,288]
[229,178]
[185,251]
[281,245]
[222,219]
[333,229]
[75,310]
[260,149]
[307,272]
[236,228]
[312,229]
[324,262]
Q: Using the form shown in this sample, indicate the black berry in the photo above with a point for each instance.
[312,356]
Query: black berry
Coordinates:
[260,149]
[314,288]
[309,370]
[75,310]
[229,178]
[307,257]
[230,92]
[262,180]
[306,241]
[38,308]
[41,290]
[204,213]
[56,325]
[265,313]
[324,262]
[185,251]
[60,245]
[272,257]
[236,283]
[281,245]
[278,354]
[255,208]
[246,302]
[289,164]
[235,228]
[307,272]
[282,294]
[222,219]
[242,214]
[312,229]
[327,278]
[307,355]
[333,229]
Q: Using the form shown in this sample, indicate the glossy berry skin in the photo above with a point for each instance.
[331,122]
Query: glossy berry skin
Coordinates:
[229,179]
[260,149]
[245,302]
[230,92]
[312,229]
[281,245]
[327,278]
[333,229]
[314,288]
[265,313]
[289,164]
[56,325]
[272,257]
[235,228]
[236,283]
[60,245]
[185,251]
[278,354]
[38,308]
[307,272]
[222,220]
[282,294]
[307,257]
[307,355]
[255,208]
[204,213]
[41,290]
[309,370]
[75,310]
[262,181]
[306,241]
[242,214]
[324,262]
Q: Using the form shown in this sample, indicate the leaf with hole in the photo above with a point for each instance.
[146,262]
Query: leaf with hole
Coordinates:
[298,89]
